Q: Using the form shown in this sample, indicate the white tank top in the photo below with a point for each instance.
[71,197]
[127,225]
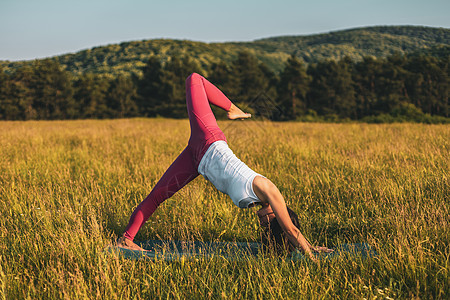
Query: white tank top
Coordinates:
[229,174]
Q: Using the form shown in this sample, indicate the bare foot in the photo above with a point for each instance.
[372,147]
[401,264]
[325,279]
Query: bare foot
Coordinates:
[236,113]
[125,243]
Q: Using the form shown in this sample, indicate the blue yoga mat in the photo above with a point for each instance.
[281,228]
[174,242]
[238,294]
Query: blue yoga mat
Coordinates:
[176,250]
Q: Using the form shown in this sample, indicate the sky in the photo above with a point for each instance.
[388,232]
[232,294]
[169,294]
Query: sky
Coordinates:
[32,29]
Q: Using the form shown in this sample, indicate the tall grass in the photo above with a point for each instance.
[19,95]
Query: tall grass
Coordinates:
[67,189]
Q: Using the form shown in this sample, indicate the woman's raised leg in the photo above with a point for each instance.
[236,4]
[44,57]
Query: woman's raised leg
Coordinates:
[200,93]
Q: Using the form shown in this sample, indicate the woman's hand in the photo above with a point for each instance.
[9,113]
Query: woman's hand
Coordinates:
[321,249]
[315,249]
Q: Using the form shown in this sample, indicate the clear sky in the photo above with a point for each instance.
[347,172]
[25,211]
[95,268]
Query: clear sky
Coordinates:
[41,28]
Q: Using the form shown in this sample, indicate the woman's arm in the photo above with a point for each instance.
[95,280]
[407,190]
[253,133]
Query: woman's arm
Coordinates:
[269,194]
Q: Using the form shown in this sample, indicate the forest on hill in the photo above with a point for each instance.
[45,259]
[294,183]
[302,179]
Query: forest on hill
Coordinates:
[376,74]
[378,42]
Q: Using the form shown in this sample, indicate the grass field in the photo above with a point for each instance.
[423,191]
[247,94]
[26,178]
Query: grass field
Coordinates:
[67,189]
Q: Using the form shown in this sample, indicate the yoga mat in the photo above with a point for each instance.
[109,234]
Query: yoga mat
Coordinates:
[176,250]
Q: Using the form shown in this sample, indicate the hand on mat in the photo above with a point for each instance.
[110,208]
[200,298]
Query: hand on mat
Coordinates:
[321,249]
[316,249]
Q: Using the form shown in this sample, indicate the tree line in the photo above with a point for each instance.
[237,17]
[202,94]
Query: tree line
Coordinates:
[396,88]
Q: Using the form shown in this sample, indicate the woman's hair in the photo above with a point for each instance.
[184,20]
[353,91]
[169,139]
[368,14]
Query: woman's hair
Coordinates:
[274,239]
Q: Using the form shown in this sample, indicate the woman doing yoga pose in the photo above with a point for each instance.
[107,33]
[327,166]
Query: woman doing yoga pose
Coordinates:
[207,153]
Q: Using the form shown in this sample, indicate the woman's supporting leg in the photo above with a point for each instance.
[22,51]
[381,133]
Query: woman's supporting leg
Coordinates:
[180,173]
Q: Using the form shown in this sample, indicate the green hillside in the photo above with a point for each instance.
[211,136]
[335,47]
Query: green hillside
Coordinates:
[381,41]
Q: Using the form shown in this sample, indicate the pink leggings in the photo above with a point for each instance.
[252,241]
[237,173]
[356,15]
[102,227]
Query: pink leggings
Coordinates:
[204,131]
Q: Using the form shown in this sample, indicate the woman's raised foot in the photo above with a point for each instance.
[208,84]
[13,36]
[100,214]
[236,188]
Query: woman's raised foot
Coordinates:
[236,113]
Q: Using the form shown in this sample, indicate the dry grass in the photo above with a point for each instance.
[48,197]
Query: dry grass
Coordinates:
[68,188]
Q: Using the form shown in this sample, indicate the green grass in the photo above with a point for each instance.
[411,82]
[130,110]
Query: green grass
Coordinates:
[67,189]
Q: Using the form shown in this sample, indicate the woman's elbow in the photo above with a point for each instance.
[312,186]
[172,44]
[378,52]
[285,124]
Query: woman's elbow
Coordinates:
[291,230]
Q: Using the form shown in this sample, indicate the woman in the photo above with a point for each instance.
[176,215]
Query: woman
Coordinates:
[207,153]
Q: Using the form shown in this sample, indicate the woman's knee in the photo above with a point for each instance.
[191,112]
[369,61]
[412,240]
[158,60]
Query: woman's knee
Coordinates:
[194,78]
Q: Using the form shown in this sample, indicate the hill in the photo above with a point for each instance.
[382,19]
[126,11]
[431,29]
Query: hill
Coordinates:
[380,41]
